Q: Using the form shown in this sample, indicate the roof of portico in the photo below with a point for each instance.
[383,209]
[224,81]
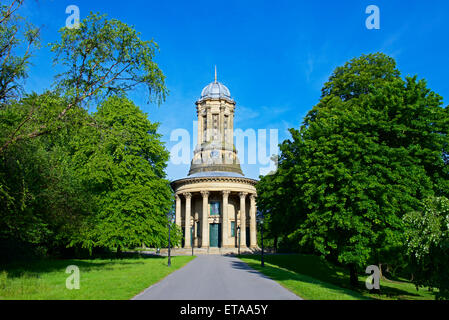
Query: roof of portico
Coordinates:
[213,176]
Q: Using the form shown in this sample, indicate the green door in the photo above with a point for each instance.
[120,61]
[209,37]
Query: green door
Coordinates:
[214,235]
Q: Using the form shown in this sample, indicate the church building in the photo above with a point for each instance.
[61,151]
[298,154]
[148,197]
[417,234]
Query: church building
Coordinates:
[216,203]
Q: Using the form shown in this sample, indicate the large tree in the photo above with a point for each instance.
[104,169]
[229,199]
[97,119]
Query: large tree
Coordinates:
[46,199]
[42,199]
[103,57]
[367,153]
[123,162]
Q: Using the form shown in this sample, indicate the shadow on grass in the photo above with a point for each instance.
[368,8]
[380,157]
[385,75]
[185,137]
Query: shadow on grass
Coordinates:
[34,268]
[251,269]
[285,275]
[313,269]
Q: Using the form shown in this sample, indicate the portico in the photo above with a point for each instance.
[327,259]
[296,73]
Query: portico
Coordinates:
[212,214]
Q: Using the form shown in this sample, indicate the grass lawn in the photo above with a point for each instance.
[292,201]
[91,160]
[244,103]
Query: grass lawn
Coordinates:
[100,279]
[313,278]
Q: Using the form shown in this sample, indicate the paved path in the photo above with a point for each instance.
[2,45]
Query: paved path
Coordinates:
[215,277]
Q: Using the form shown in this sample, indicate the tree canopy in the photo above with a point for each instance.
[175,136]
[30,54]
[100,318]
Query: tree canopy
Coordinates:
[103,57]
[368,153]
[70,177]
[123,164]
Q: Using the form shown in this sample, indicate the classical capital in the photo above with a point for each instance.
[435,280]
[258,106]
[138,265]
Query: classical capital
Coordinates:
[253,196]
[226,193]
[177,196]
[243,195]
[205,194]
[187,195]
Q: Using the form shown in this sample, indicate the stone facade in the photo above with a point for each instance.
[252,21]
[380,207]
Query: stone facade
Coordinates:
[215,200]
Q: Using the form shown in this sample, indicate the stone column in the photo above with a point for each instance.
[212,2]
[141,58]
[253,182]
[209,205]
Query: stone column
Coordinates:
[253,223]
[204,220]
[187,238]
[225,221]
[178,210]
[242,219]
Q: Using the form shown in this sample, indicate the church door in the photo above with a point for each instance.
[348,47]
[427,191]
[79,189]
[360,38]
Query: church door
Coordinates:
[215,235]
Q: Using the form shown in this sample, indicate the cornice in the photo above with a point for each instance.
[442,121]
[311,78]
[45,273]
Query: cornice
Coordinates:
[201,101]
[184,181]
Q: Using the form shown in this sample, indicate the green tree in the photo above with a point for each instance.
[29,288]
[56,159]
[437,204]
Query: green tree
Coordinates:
[367,153]
[123,162]
[279,202]
[427,235]
[18,39]
[42,199]
[45,200]
[101,58]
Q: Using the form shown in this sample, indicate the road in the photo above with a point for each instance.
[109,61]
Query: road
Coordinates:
[216,277]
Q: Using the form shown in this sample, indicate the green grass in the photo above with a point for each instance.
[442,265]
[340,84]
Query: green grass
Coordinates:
[100,279]
[313,278]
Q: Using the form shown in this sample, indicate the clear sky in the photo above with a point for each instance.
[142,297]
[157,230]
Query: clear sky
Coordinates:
[274,56]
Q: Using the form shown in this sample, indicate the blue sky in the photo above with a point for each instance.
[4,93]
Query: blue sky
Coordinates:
[274,56]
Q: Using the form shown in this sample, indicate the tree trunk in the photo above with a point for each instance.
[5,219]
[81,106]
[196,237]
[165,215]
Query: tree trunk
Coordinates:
[353,278]
[119,251]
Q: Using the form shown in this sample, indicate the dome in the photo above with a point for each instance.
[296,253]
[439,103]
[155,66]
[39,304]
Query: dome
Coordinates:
[215,90]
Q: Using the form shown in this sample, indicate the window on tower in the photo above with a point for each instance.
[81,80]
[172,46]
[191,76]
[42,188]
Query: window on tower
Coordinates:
[215,126]
[205,128]
[225,128]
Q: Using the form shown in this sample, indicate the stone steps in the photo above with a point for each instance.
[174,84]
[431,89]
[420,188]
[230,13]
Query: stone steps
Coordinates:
[212,250]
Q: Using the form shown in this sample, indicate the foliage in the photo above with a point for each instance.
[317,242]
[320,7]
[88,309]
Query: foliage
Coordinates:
[123,162]
[70,177]
[43,198]
[106,57]
[314,278]
[16,34]
[428,244]
[101,58]
[367,153]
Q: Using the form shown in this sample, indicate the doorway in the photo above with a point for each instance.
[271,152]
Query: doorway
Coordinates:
[215,235]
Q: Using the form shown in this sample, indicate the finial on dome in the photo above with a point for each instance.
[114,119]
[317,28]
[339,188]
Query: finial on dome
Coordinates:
[215,90]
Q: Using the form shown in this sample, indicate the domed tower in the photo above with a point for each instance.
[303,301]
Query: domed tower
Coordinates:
[215,151]
[215,203]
